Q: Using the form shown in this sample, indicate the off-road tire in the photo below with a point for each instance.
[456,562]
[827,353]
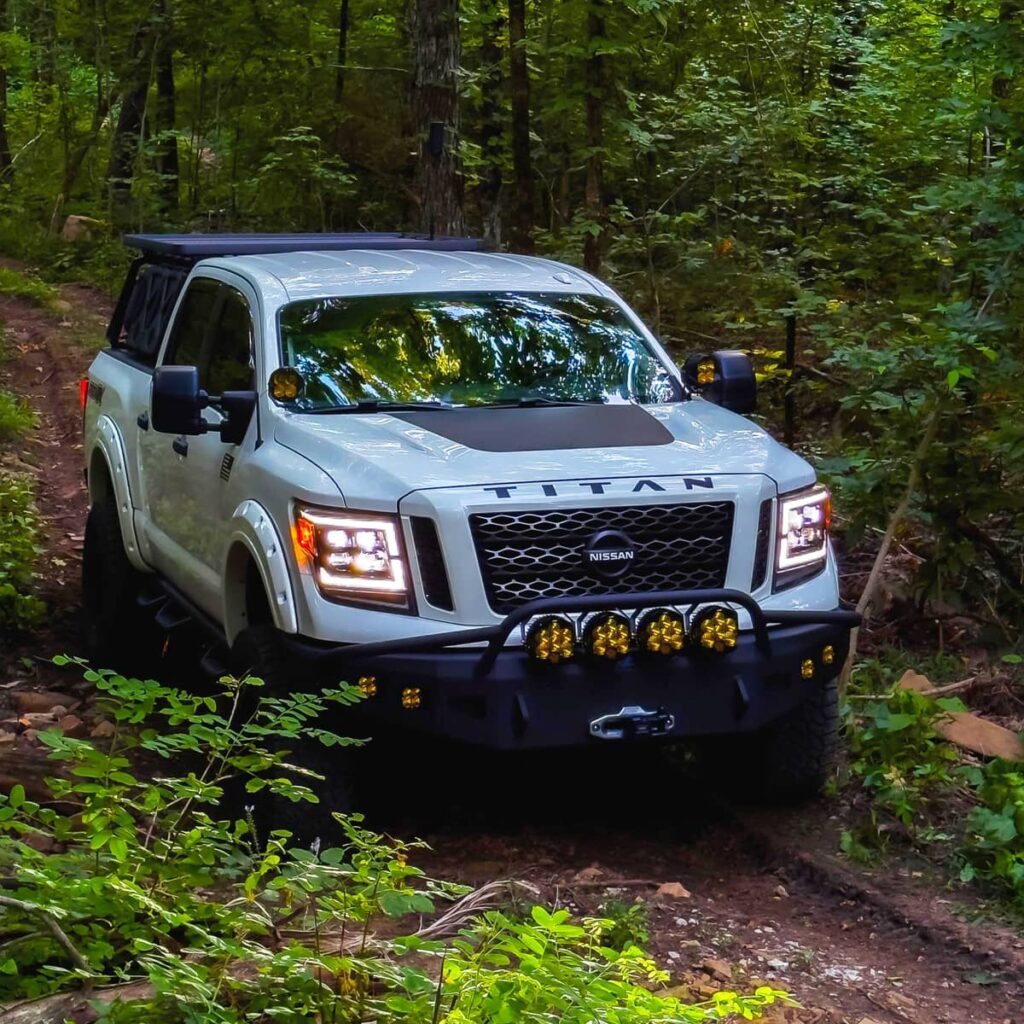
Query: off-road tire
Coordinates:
[116,632]
[797,753]
[259,651]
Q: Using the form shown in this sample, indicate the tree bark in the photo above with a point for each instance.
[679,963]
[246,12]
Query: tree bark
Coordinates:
[1011,15]
[491,119]
[5,144]
[127,140]
[522,165]
[339,74]
[166,114]
[436,44]
[593,200]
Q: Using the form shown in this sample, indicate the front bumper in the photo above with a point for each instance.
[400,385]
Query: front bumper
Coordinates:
[501,698]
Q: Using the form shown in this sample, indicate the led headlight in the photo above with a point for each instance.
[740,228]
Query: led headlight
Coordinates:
[804,521]
[353,555]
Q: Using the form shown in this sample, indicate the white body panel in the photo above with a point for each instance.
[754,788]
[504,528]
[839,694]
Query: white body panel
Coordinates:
[188,520]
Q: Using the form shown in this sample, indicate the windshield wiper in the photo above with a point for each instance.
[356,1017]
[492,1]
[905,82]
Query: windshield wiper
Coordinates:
[376,406]
[536,401]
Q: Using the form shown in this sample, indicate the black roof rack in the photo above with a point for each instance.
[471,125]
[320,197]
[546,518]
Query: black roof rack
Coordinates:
[196,247]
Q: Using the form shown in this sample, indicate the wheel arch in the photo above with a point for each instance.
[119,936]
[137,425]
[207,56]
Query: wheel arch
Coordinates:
[256,577]
[107,478]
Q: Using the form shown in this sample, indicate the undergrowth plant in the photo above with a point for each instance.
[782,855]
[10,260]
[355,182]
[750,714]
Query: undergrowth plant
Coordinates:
[920,782]
[134,882]
[23,285]
[16,416]
[19,550]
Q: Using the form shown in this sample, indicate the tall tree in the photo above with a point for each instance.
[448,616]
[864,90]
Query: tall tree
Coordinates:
[5,145]
[522,164]
[339,73]
[436,41]
[166,112]
[491,121]
[593,200]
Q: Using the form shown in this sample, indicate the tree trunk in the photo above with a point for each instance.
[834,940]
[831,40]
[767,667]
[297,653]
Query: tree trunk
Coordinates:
[522,165]
[166,115]
[593,200]
[5,145]
[435,102]
[1011,15]
[127,140]
[491,119]
[339,74]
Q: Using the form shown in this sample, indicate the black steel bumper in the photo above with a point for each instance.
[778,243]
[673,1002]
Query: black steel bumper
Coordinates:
[502,698]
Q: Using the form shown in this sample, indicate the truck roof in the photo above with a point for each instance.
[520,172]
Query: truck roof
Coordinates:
[363,272]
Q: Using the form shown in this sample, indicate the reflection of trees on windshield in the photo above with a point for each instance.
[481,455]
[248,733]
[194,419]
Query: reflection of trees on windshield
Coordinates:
[467,349]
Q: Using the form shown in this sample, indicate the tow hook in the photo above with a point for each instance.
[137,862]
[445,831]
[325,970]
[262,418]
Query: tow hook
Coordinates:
[633,722]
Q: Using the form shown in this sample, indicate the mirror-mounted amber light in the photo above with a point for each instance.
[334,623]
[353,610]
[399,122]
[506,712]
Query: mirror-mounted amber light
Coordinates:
[715,629]
[661,631]
[607,635]
[286,384]
[551,639]
[706,372]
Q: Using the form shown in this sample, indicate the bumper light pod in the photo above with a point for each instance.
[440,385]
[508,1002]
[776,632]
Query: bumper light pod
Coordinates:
[607,635]
[828,655]
[412,698]
[715,629]
[368,686]
[807,669]
[661,631]
[551,639]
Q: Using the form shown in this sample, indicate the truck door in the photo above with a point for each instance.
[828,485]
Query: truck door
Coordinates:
[186,501]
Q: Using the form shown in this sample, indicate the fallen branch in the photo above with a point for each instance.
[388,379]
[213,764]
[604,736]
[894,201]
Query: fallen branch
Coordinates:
[55,930]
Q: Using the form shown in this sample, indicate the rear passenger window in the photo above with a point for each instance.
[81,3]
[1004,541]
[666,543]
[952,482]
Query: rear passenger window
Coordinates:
[214,333]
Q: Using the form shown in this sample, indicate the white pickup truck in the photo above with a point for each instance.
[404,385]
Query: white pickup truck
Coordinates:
[472,483]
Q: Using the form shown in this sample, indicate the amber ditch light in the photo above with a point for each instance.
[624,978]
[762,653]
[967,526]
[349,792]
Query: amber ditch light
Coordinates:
[828,655]
[661,631]
[286,384]
[551,639]
[706,372]
[715,629]
[412,698]
[607,635]
[807,669]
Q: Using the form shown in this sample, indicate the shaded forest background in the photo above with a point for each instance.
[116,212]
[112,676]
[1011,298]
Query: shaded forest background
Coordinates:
[853,168]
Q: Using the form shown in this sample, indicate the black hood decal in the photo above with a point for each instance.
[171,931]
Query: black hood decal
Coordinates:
[544,428]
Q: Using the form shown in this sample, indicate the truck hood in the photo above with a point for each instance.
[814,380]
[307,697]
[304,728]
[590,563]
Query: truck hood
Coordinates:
[376,459]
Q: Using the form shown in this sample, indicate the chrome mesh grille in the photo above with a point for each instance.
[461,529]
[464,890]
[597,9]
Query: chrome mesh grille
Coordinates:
[539,553]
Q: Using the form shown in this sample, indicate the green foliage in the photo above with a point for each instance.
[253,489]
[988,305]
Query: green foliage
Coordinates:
[149,880]
[19,550]
[626,924]
[995,828]
[16,416]
[22,285]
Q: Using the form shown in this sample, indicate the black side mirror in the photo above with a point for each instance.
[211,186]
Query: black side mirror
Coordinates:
[177,403]
[725,378]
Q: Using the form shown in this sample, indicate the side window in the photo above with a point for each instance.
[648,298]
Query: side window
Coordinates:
[194,320]
[229,365]
[213,332]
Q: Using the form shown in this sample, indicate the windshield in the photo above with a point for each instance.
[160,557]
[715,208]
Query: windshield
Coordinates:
[468,349]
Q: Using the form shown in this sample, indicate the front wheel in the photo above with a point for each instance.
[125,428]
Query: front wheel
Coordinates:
[259,651]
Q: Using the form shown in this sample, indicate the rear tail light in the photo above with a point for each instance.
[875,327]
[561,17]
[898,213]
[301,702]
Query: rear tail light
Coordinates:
[83,392]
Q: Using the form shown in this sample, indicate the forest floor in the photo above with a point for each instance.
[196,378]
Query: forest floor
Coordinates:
[732,895]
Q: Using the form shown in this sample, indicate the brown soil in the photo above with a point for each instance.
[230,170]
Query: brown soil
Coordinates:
[764,898]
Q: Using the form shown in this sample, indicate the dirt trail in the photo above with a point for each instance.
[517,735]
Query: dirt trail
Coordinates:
[762,898]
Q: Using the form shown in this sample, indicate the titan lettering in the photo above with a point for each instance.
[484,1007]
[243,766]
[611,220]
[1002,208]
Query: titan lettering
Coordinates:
[606,486]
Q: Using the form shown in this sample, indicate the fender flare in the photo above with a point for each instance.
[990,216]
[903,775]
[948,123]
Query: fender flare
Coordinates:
[110,447]
[253,534]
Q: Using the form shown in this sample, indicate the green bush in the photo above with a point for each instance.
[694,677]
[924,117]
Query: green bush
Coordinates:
[16,417]
[994,849]
[27,286]
[147,881]
[19,550]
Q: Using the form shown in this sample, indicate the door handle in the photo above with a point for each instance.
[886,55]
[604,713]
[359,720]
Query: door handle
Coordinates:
[180,445]
[143,421]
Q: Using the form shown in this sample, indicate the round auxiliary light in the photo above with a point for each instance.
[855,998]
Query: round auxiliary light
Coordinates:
[706,372]
[286,384]
[551,639]
[412,698]
[368,686]
[607,635]
[661,631]
[715,629]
